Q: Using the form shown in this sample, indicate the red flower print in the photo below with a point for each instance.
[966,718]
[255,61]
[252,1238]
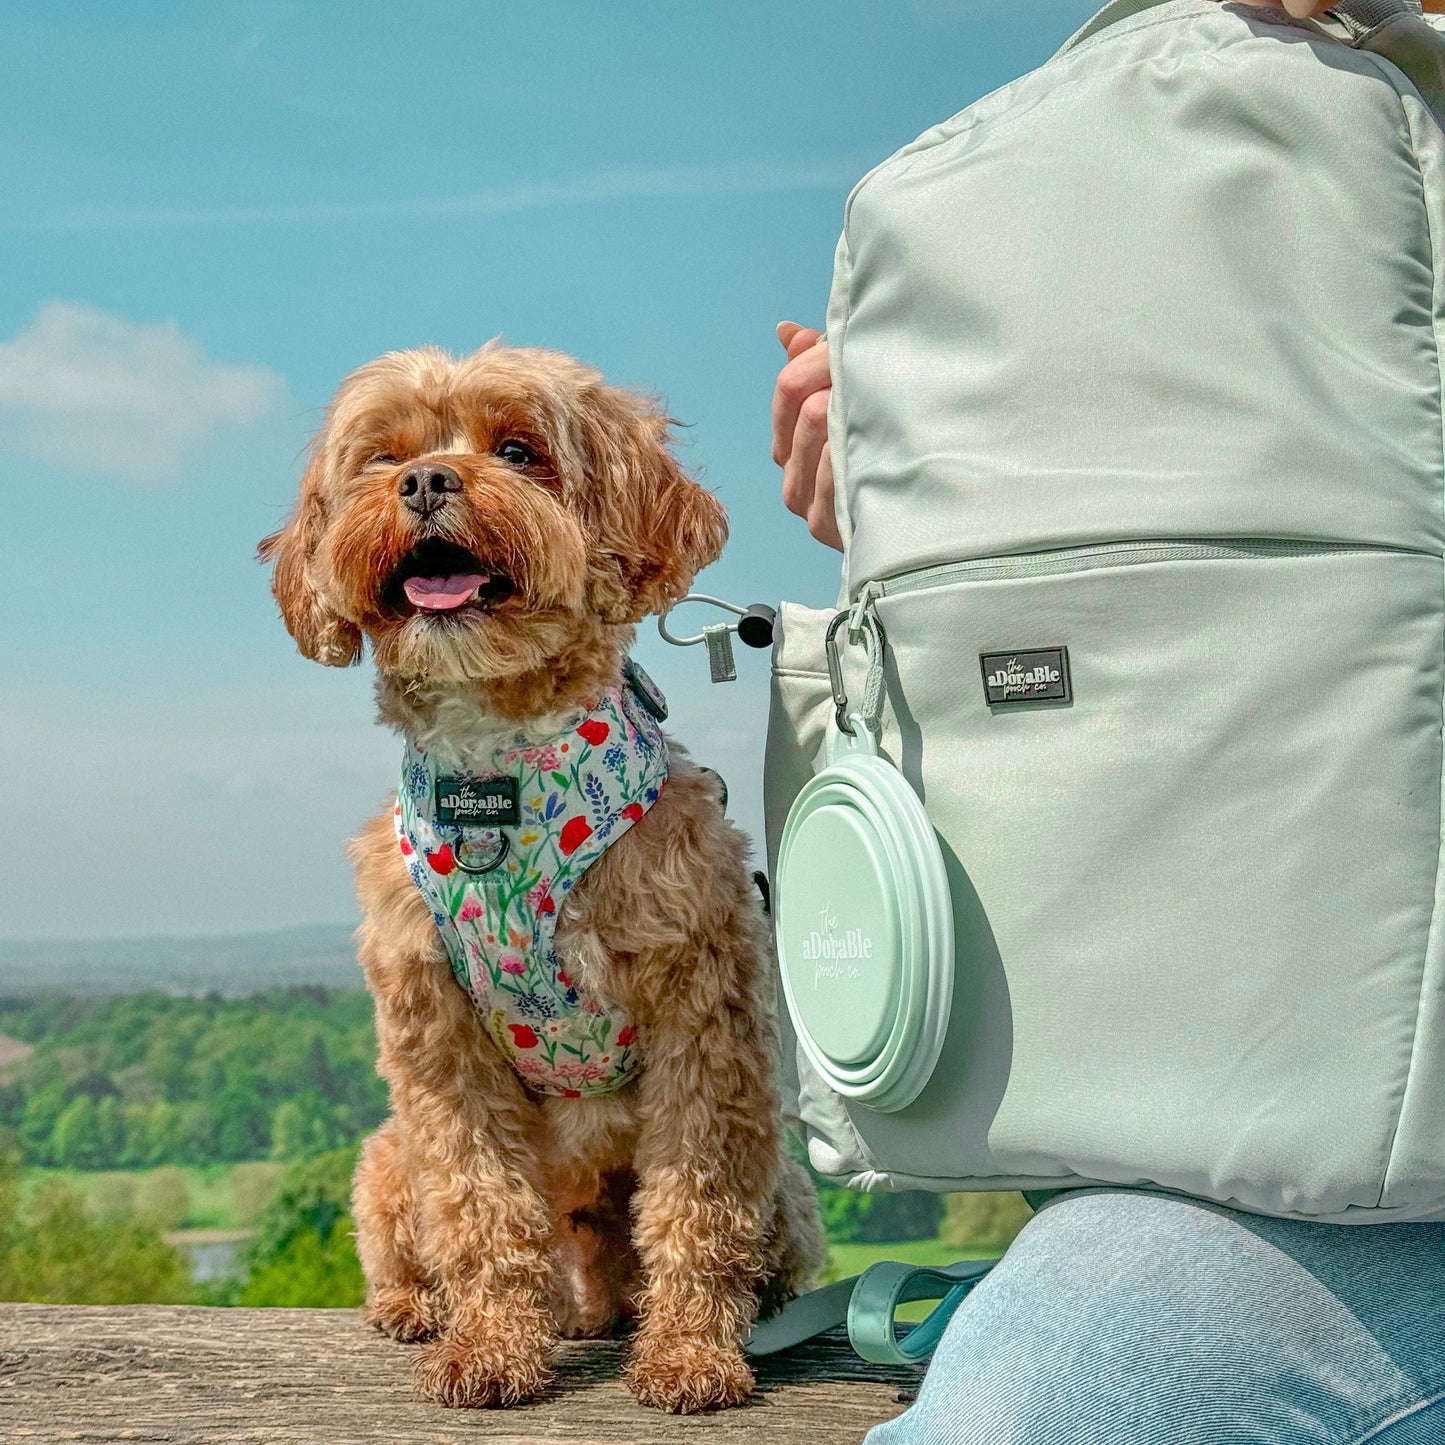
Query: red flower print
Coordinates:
[571,1093]
[594,731]
[406,847]
[626,1036]
[546,905]
[563,979]
[441,861]
[522,1036]
[574,832]
[632,812]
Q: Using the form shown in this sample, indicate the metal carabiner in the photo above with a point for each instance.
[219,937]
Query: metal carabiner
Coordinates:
[835,674]
[866,626]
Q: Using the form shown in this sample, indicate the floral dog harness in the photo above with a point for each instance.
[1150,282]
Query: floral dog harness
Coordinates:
[496,849]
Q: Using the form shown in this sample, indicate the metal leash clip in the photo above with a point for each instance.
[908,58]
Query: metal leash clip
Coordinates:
[754,628]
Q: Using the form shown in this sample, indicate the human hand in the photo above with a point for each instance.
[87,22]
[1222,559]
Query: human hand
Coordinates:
[800,430]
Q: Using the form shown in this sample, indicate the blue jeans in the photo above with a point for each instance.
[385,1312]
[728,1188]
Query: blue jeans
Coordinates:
[1125,1318]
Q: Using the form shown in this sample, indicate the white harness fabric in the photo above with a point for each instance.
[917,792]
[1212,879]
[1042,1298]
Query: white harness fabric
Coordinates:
[495,892]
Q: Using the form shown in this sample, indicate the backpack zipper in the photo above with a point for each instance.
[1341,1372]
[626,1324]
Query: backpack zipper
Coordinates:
[1117,554]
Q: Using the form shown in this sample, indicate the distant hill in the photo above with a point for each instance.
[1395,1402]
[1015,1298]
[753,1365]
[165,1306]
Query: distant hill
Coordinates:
[234,964]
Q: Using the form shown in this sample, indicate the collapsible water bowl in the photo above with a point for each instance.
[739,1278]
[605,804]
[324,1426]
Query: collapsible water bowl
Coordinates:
[863,914]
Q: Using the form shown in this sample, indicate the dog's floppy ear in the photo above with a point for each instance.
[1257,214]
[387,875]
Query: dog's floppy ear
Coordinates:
[656,527]
[320,633]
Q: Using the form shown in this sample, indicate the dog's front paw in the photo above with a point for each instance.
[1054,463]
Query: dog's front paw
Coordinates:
[406,1312]
[684,1375]
[493,1371]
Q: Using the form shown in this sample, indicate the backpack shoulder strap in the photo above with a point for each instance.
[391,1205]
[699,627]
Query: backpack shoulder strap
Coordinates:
[1395,30]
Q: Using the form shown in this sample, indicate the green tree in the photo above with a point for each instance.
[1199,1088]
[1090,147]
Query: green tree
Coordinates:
[303,1126]
[75,1140]
[852,1217]
[110,1131]
[37,1120]
[164,1198]
[310,1272]
[52,1253]
[302,1252]
[112,1196]
[253,1186]
[983,1221]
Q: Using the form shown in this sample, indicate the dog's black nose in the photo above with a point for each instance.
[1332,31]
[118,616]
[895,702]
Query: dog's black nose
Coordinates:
[424,488]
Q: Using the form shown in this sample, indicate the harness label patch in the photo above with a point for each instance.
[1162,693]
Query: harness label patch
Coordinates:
[478,802]
[1040,674]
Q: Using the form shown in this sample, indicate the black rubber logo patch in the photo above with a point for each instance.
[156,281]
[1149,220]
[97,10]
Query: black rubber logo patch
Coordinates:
[1040,674]
[478,802]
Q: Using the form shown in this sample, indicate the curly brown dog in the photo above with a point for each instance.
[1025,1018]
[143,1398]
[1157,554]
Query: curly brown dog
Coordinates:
[494,526]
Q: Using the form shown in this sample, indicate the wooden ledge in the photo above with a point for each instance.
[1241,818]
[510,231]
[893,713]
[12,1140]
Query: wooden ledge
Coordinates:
[180,1374]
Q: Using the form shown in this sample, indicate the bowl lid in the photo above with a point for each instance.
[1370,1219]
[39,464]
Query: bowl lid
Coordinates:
[864,927]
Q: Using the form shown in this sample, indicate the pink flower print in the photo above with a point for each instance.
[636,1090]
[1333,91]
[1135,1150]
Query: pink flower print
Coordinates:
[540,897]
[469,910]
[513,963]
[544,759]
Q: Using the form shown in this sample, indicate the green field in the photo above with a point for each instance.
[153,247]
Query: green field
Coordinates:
[209,1198]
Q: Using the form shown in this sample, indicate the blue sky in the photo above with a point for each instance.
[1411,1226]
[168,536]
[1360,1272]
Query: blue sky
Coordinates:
[212,213]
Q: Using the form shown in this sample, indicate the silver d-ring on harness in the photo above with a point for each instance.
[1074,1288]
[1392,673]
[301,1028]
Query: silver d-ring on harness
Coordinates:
[489,867]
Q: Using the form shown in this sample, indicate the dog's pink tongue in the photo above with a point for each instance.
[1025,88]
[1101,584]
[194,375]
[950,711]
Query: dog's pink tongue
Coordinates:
[441,594]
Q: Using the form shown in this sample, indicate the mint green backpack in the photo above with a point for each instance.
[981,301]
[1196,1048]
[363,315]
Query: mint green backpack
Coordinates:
[1110,850]
[1106,814]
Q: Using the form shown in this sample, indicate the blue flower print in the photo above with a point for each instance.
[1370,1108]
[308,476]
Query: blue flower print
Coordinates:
[596,798]
[534,1006]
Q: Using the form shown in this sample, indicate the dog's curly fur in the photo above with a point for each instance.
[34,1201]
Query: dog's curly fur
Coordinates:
[490,1220]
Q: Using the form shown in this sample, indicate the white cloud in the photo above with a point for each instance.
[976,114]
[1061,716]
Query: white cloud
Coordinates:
[131,399]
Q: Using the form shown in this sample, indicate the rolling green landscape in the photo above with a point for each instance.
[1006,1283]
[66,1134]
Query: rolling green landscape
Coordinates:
[164,1147]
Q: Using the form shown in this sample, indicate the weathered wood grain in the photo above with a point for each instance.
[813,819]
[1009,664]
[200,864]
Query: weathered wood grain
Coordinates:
[177,1375]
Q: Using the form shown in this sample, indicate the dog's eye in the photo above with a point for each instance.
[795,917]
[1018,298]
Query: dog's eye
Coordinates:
[384,460]
[516,454]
